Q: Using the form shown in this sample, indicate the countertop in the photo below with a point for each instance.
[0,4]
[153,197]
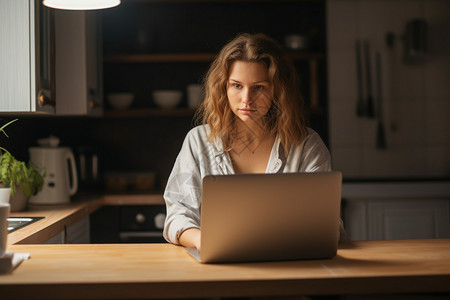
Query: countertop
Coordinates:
[141,271]
[146,271]
[56,217]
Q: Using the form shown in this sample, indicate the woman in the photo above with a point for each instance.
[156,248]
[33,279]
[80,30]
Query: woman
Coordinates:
[251,123]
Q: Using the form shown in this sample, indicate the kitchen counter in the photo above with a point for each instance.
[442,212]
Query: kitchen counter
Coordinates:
[146,271]
[57,217]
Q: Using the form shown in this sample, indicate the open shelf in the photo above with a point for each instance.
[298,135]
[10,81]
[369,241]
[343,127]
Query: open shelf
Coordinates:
[174,112]
[187,57]
[150,112]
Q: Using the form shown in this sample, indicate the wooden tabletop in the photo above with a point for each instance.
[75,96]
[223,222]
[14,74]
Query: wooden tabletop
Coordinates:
[140,271]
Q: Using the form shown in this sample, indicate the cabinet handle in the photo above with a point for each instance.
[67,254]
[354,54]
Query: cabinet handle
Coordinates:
[140,218]
[43,99]
[92,94]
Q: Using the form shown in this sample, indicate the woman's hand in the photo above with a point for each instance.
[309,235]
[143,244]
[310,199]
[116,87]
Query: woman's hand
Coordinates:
[190,238]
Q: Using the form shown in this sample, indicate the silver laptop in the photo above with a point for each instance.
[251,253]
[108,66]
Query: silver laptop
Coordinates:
[269,217]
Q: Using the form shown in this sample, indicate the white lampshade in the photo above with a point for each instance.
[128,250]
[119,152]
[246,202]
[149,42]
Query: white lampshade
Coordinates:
[81,4]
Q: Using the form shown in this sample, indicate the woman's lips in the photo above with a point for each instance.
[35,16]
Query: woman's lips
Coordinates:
[247,111]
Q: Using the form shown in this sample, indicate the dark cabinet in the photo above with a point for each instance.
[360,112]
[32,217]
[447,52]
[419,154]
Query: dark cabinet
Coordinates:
[128,224]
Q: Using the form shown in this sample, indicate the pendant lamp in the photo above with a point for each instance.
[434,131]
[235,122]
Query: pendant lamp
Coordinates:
[81,4]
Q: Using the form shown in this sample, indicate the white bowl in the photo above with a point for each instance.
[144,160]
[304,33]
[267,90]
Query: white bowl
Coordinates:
[167,98]
[120,100]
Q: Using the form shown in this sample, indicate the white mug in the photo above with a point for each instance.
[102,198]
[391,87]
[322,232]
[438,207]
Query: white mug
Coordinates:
[4,214]
[5,195]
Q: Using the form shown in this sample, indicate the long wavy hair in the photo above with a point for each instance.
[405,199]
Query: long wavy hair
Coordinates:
[285,116]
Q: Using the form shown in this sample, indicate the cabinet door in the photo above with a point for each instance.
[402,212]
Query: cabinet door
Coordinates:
[78,232]
[408,219]
[355,219]
[56,239]
[78,71]
[17,56]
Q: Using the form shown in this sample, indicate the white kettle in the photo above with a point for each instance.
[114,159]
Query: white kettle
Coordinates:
[61,179]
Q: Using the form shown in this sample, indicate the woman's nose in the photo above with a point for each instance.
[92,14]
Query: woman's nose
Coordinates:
[247,96]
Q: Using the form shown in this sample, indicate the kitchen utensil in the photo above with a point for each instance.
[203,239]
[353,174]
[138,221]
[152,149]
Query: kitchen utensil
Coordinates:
[120,100]
[369,102]
[415,42]
[125,182]
[381,135]
[88,166]
[167,98]
[61,180]
[360,101]
[393,91]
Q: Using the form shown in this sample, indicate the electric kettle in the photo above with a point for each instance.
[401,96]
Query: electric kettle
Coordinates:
[61,180]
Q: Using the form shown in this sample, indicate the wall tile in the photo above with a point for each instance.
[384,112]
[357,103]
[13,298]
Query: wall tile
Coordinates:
[437,161]
[347,160]
[438,122]
[345,126]
[342,87]
[415,98]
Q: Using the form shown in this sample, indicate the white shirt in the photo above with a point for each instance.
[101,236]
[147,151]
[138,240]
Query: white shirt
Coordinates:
[199,158]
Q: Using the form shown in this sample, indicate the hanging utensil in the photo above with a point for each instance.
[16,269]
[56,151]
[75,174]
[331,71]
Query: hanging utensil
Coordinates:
[381,135]
[360,102]
[392,72]
[369,103]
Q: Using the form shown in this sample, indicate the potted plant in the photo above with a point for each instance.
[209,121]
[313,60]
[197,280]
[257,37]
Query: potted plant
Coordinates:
[23,180]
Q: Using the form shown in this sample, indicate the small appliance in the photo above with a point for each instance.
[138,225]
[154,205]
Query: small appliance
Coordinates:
[61,180]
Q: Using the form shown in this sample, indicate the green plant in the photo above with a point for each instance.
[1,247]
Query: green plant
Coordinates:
[16,174]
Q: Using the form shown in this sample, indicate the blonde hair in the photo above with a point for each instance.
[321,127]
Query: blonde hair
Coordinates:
[285,117]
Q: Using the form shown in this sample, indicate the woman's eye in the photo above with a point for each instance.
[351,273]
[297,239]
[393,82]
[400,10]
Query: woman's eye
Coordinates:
[259,87]
[237,85]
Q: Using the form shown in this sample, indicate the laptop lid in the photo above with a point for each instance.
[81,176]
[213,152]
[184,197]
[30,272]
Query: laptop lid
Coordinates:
[268,217]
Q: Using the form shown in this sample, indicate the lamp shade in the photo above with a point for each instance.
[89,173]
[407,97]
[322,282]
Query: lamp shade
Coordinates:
[80,4]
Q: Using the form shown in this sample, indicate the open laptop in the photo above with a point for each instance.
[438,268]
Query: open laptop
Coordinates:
[269,217]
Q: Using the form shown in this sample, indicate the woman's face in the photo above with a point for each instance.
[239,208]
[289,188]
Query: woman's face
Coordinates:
[248,91]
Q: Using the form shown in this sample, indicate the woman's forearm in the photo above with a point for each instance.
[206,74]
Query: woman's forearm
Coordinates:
[190,238]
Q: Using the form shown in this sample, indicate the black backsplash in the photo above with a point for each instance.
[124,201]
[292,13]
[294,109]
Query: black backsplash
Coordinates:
[123,144]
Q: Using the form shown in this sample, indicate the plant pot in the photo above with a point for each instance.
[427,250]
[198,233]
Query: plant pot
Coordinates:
[18,202]
[5,194]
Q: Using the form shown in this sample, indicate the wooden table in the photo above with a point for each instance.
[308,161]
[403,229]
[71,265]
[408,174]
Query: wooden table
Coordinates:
[141,271]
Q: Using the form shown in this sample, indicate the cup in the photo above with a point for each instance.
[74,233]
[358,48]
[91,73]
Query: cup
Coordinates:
[194,93]
[5,195]
[4,214]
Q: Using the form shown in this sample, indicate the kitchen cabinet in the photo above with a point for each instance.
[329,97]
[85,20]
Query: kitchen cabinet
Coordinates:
[76,233]
[50,60]
[128,224]
[150,45]
[396,218]
[78,65]
[19,56]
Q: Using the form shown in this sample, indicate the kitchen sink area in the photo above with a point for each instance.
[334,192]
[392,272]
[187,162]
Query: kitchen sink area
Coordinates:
[15,223]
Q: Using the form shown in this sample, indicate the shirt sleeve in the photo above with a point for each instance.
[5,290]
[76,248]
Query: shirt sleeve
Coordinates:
[183,192]
[315,156]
